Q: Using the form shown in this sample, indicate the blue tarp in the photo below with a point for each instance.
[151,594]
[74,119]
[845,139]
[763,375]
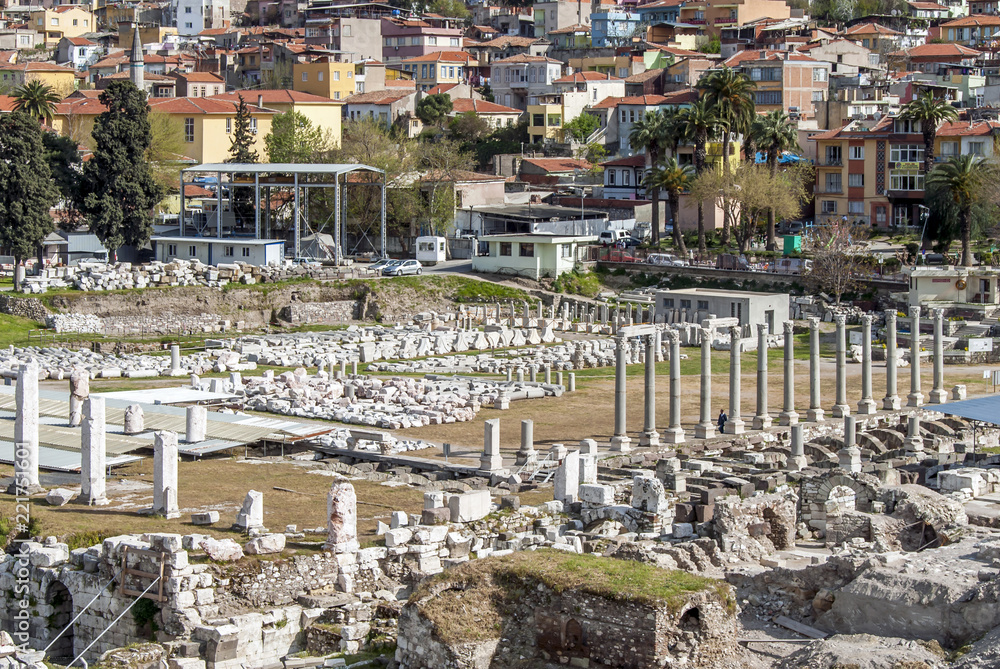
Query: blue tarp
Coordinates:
[784,159]
[984,409]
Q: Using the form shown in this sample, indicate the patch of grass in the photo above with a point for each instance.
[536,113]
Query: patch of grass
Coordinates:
[88,538]
[587,284]
[14,329]
[491,585]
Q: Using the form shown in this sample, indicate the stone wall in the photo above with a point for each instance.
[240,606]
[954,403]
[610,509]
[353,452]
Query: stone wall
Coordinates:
[301,313]
[25,307]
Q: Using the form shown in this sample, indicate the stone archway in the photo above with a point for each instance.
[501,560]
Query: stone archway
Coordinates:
[60,600]
[815,494]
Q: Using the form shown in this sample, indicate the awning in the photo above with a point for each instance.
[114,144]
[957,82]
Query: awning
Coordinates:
[982,409]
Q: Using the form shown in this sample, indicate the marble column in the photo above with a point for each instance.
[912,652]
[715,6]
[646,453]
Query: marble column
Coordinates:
[797,459]
[165,474]
[914,443]
[26,431]
[735,424]
[938,394]
[527,454]
[620,441]
[79,390]
[93,449]
[650,437]
[788,415]
[816,412]
[866,406]
[674,434]
[916,397]
[849,457]
[196,424]
[841,408]
[891,400]
[705,429]
[762,420]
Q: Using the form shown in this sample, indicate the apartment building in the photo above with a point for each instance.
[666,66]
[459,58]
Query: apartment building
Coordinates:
[874,36]
[516,79]
[190,17]
[618,115]
[715,15]
[553,15]
[872,173]
[326,77]
[62,21]
[440,67]
[594,85]
[613,26]
[548,115]
[974,31]
[410,38]
[793,82]
[360,38]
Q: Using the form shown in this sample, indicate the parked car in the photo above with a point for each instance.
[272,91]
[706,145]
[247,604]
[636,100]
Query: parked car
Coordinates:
[380,264]
[404,267]
[731,261]
[612,237]
[793,265]
[667,259]
[792,227]
[617,255]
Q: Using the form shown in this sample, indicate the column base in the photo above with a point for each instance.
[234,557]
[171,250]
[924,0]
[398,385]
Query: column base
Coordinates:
[621,444]
[761,422]
[914,446]
[673,435]
[841,410]
[816,415]
[704,430]
[890,403]
[786,418]
[797,464]
[100,501]
[650,439]
[938,396]
[490,463]
[526,458]
[734,426]
[867,407]
[32,489]
[915,400]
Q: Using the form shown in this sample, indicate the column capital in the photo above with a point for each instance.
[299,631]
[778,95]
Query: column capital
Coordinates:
[762,329]
[938,314]
[672,336]
[787,327]
[813,323]
[890,316]
[734,332]
[706,335]
[914,312]
[866,320]
[840,320]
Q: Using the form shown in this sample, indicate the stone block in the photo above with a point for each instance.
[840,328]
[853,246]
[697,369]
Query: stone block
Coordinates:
[434,516]
[470,506]
[59,496]
[265,545]
[205,518]
[597,495]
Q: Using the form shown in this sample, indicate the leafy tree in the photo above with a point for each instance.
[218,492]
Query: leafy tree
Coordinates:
[582,127]
[241,145]
[509,139]
[943,225]
[730,93]
[441,164]
[713,45]
[700,124]
[433,109]
[774,134]
[650,134]
[593,153]
[36,99]
[166,149]
[964,178]
[930,112]
[27,191]
[487,93]
[119,185]
[294,139]
[672,178]
[63,157]
[469,127]
[455,9]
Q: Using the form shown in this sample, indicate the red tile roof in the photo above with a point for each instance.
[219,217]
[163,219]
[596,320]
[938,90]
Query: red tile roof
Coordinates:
[974,20]
[752,55]
[273,97]
[868,29]
[200,106]
[967,129]
[630,161]
[378,97]
[443,56]
[80,41]
[525,58]
[463,105]
[569,30]
[199,77]
[559,164]
[940,51]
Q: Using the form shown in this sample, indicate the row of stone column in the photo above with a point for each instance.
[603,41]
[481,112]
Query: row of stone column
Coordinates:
[705,428]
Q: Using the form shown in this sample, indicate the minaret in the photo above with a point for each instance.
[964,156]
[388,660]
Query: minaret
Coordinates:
[136,64]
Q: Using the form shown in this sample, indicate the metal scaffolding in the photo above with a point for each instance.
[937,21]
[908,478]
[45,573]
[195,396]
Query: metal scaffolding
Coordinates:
[283,177]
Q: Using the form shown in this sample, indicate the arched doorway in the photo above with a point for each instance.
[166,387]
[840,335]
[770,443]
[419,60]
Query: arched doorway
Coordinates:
[61,601]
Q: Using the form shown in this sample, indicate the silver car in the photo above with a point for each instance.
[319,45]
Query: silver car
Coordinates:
[404,267]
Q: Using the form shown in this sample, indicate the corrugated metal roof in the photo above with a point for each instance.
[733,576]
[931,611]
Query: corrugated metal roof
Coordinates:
[985,409]
[60,460]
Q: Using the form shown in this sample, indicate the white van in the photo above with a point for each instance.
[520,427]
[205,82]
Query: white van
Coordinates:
[611,237]
[667,259]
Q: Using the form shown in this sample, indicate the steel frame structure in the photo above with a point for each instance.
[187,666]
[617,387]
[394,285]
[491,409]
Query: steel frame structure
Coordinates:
[286,176]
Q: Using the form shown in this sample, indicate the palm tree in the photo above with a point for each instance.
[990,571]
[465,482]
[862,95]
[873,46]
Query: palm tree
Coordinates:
[649,134]
[730,93]
[673,178]
[700,123]
[774,134]
[961,176]
[931,112]
[36,99]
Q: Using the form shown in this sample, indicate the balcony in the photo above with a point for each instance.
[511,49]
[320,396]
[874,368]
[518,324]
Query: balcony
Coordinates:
[830,161]
[832,190]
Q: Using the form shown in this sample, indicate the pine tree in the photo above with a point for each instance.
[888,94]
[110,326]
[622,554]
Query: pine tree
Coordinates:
[119,185]
[27,191]
[241,145]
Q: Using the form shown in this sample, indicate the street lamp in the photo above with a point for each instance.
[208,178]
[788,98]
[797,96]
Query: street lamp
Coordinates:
[925,213]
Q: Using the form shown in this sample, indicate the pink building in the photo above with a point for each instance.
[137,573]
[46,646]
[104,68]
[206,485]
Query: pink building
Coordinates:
[410,38]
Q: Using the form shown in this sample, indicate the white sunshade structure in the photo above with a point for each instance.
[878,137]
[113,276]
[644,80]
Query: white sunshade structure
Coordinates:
[299,178]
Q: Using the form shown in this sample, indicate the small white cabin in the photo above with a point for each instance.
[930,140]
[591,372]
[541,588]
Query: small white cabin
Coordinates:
[432,250]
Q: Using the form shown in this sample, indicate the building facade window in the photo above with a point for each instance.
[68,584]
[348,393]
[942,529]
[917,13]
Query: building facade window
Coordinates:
[833,182]
[855,207]
[230,251]
[906,180]
[856,180]
[829,206]
[906,153]
[526,250]
[857,153]
[189,130]
[246,251]
[505,248]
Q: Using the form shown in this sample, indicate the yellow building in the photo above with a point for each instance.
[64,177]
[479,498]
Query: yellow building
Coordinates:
[545,122]
[325,78]
[206,124]
[323,112]
[61,79]
[147,34]
[440,67]
[62,21]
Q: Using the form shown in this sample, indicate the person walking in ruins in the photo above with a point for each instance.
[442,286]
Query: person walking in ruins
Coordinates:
[722,419]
